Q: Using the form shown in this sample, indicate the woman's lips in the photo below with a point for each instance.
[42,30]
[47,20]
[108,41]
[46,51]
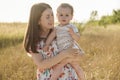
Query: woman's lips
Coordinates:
[50,23]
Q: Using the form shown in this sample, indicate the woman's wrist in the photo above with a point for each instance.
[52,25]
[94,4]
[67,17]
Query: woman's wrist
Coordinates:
[63,62]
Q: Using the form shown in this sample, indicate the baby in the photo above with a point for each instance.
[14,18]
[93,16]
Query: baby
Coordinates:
[67,36]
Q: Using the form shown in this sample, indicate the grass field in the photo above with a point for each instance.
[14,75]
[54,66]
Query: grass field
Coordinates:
[101,45]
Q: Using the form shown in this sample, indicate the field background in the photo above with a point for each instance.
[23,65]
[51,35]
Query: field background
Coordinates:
[101,45]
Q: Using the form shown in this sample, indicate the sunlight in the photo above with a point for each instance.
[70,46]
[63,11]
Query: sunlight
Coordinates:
[18,11]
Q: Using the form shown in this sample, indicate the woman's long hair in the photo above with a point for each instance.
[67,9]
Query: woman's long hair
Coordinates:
[33,29]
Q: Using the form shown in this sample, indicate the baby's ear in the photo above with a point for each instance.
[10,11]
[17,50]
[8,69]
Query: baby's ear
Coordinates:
[71,17]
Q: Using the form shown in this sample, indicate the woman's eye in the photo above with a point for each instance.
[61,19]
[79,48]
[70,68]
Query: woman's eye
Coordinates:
[47,17]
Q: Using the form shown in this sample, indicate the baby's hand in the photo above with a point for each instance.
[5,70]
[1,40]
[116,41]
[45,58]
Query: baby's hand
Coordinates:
[45,48]
[71,31]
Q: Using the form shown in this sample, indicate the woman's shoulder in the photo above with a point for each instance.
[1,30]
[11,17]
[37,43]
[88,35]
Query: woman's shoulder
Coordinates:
[41,44]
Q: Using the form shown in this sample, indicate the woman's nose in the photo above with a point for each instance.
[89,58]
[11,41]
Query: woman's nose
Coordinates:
[51,20]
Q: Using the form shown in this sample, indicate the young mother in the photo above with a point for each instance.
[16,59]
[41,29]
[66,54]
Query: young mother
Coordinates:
[40,25]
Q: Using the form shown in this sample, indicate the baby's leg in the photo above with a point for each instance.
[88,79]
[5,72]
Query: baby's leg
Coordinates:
[57,70]
[78,70]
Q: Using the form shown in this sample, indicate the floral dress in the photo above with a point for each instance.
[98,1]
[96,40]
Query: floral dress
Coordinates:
[68,73]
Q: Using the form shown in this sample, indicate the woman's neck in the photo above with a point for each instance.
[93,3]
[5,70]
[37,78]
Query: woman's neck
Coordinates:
[44,33]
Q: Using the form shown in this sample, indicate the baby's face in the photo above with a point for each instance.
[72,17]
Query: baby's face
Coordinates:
[64,16]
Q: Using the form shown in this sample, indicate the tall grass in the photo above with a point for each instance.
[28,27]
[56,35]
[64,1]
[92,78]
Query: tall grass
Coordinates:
[11,34]
[101,45]
[102,49]
[14,63]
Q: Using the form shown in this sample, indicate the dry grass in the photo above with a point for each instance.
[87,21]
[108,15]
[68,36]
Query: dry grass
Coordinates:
[101,62]
[102,49]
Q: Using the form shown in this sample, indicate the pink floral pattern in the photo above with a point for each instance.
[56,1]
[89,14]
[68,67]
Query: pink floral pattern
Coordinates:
[68,73]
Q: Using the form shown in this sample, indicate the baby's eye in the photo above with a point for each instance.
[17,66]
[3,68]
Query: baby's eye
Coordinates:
[48,16]
[61,15]
[67,15]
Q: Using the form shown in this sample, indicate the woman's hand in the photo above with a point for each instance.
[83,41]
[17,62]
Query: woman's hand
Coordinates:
[74,59]
[70,52]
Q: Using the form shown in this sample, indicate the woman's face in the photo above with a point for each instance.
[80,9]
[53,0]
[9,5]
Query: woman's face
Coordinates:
[47,19]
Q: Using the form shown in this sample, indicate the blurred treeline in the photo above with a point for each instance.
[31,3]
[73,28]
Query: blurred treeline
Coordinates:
[105,20]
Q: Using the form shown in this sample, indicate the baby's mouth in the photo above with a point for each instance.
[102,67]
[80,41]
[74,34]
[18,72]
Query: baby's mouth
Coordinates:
[63,20]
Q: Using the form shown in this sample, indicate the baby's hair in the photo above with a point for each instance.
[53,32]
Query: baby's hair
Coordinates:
[65,5]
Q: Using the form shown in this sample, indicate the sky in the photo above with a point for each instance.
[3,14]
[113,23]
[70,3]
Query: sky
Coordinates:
[18,10]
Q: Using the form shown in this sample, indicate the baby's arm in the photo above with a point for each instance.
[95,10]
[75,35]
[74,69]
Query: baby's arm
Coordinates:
[49,40]
[75,36]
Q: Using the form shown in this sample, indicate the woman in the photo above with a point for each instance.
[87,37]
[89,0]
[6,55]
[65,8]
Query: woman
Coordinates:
[40,25]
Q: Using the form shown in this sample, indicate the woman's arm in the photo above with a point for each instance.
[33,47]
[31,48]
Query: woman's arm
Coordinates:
[48,63]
